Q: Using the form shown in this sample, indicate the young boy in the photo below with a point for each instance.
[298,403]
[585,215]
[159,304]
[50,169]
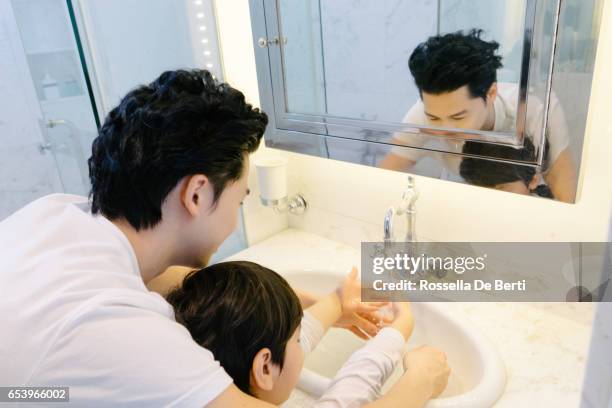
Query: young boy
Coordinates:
[252,321]
[510,177]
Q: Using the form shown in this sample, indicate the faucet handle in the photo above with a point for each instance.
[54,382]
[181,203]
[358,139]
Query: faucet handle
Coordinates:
[411,181]
[409,197]
[388,225]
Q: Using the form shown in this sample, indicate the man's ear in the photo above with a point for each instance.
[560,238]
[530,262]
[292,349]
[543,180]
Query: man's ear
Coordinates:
[492,93]
[196,194]
[263,371]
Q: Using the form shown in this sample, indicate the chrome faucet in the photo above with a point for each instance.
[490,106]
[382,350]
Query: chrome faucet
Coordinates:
[406,207]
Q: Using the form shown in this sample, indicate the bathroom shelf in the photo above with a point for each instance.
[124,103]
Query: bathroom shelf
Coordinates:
[50,51]
[63,100]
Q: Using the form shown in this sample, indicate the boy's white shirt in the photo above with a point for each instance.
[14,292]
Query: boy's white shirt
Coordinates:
[505,106]
[75,312]
[360,379]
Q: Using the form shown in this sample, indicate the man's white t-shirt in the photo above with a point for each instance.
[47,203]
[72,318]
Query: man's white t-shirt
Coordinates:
[505,106]
[75,312]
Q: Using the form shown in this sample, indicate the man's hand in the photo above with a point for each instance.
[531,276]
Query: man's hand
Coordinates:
[362,318]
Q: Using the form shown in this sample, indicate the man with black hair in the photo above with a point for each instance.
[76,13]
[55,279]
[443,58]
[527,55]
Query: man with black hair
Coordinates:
[168,171]
[456,75]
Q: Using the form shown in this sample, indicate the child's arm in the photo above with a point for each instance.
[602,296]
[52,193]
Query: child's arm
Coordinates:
[344,303]
[425,377]
[307,299]
[327,310]
[360,379]
[317,320]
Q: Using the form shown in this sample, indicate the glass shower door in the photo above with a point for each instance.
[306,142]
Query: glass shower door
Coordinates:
[63,62]
[125,47]
[47,122]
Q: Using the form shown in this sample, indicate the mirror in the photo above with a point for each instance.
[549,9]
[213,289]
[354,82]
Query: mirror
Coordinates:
[387,63]
[492,93]
[350,59]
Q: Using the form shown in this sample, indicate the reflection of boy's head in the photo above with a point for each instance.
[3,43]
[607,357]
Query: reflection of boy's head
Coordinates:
[456,75]
[248,317]
[499,175]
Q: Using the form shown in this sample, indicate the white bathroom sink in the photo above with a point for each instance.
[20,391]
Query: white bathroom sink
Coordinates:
[478,374]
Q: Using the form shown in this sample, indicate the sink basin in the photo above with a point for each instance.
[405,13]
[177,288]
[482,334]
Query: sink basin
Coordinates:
[478,374]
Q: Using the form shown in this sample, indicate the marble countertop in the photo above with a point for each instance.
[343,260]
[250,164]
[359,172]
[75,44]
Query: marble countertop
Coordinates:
[544,345]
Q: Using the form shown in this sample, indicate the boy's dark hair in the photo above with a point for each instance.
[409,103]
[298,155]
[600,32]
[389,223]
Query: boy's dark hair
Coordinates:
[235,309]
[445,63]
[488,173]
[181,124]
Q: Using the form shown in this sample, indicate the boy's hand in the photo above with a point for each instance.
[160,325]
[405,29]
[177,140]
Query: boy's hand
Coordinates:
[429,365]
[362,318]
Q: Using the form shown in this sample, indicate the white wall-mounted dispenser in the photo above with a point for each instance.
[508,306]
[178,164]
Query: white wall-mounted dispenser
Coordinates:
[272,178]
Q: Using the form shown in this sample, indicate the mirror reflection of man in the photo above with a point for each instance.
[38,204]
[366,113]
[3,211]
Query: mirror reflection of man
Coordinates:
[456,75]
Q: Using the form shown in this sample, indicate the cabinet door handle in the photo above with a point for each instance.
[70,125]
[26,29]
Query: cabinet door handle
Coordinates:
[264,42]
